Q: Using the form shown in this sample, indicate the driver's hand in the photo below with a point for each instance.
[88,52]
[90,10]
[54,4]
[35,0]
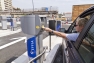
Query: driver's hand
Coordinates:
[47,29]
[43,27]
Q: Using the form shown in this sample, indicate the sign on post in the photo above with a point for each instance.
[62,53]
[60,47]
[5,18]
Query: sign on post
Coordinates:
[31,47]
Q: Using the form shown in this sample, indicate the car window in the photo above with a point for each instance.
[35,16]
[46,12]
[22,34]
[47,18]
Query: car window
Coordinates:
[86,49]
[88,17]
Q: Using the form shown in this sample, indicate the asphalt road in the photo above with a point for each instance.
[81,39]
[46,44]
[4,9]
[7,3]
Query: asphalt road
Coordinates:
[7,39]
[7,55]
[10,53]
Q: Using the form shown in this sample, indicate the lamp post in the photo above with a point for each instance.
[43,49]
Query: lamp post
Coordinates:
[50,12]
[33,5]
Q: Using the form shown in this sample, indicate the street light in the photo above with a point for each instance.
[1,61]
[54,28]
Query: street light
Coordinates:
[33,5]
[50,12]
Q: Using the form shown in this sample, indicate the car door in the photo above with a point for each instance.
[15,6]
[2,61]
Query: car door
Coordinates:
[74,55]
[85,42]
[86,48]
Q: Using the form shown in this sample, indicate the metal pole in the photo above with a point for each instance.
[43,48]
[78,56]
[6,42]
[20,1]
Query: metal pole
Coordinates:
[50,11]
[33,5]
[50,42]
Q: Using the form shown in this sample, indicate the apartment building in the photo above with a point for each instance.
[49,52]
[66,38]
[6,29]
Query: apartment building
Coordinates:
[5,4]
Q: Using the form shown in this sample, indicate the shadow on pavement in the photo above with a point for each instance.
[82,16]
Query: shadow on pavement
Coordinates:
[10,60]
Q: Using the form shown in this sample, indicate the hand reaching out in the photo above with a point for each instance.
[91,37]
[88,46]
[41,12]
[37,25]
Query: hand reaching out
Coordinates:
[47,29]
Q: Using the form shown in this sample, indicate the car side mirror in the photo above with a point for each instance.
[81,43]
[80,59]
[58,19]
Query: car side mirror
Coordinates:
[62,30]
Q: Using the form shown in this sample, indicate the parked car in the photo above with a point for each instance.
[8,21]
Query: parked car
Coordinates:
[78,52]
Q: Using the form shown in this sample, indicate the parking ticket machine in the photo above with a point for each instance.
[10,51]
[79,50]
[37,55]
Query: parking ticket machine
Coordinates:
[31,25]
[52,25]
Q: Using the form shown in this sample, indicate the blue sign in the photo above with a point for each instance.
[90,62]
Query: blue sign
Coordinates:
[31,47]
[58,27]
[46,9]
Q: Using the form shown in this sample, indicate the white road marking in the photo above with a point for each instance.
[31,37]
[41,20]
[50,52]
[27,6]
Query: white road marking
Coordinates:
[11,43]
[25,39]
[16,38]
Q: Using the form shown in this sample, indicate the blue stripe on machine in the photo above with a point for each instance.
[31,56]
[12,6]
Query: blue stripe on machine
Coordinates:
[58,27]
[31,47]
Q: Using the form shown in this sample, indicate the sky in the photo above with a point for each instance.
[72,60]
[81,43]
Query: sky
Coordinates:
[63,5]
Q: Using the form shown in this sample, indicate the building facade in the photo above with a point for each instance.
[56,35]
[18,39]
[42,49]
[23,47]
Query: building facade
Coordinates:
[5,5]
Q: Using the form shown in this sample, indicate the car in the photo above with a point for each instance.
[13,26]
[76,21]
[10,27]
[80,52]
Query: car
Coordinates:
[78,52]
